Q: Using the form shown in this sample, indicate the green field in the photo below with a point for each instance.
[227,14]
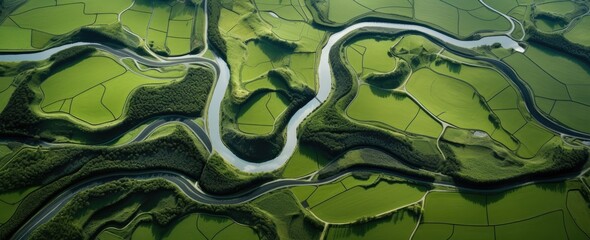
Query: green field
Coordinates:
[534,211]
[258,114]
[169,28]
[369,56]
[380,107]
[555,81]
[578,33]
[455,208]
[304,161]
[463,18]
[103,94]
[33,25]
[9,202]
[358,202]
[351,198]
[397,226]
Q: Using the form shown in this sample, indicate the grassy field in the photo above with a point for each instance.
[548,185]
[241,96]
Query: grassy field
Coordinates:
[433,231]
[577,206]
[258,114]
[539,211]
[102,96]
[360,202]
[371,56]
[554,80]
[6,90]
[173,29]
[354,198]
[541,227]
[376,106]
[9,202]
[455,102]
[35,24]
[397,226]
[578,34]
[455,208]
[304,161]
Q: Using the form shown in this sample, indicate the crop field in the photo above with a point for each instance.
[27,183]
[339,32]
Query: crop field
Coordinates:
[577,34]
[505,215]
[397,226]
[171,28]
[34,23]
[9,202]
[460,18]
[6,90]
[555,82]
[351,199]
[204,119]
[401,112]
[370,56]
[101,97]
[455,102]
[304,161]
[258,115]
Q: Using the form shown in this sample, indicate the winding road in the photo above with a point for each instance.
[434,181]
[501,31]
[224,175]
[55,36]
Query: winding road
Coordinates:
[212,137]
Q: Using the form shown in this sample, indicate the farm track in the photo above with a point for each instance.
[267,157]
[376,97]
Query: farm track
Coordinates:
[213,142]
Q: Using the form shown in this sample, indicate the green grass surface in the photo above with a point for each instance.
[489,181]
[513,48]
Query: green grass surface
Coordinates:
[471,232]
[304,161]
[101,6]
[172,29]
[433,231]
[344,11]
[9,201]
[455,102]
[324,192]
[541,227]
[373,56]
[98,88]
[534,138]
[359,202]
[397,226]
[237,231]
[210,225]
[53,87]
[88,107]
[55,20]
[6,90]
[14,38]
[137,22]
[541,83]
[515,205]
[455,208]
[185,227]
[376,105]
[579,34]
[143,232]
[578,207]
[259,113]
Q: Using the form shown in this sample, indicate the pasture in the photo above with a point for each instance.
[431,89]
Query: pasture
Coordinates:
[259,113]
[102,96]
[578,33]
[33,24]
[539,211]
[397,226]
[168,28]
[554,79]
[380,107]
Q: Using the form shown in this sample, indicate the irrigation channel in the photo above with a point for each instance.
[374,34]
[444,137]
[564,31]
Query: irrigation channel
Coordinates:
[214,141]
